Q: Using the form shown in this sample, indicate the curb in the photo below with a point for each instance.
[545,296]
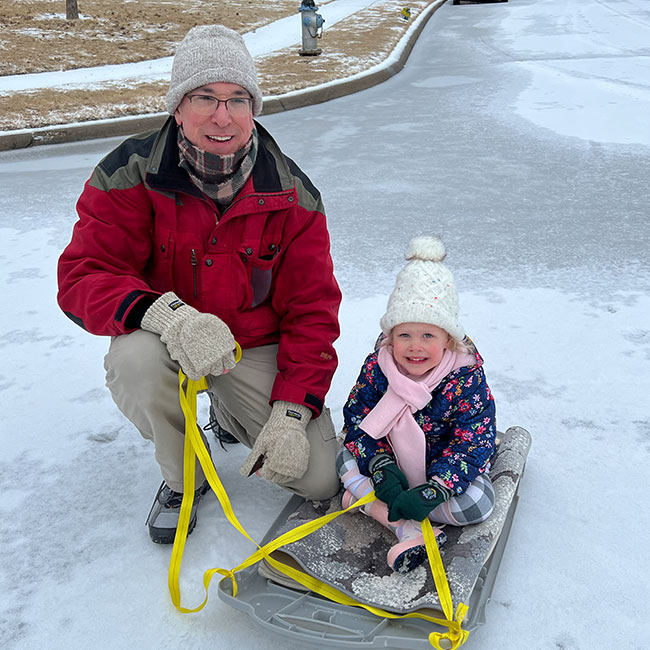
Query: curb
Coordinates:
[125,126]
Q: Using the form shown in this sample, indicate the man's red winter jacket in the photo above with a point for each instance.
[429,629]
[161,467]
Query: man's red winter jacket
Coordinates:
[263,266]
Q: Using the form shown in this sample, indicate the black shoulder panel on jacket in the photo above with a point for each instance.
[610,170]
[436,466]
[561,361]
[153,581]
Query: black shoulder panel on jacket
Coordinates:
[265,173]
[119,157]
[306,181]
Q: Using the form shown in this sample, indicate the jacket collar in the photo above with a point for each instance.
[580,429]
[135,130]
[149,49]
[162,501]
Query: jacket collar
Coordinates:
[271,174]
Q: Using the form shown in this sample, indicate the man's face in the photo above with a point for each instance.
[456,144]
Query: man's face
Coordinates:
[223,131]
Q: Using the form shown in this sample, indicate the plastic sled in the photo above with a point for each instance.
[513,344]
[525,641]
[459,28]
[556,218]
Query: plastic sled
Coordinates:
[349,553]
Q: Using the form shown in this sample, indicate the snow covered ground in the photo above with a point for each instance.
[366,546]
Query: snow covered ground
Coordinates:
[519,132]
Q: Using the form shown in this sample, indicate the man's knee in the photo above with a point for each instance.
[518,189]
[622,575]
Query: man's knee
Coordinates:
[142,378]
[321,480]
[320,485]
[138,359]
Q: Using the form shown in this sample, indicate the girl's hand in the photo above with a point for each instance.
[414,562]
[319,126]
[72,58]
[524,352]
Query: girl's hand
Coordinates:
[418,502]
[388,479]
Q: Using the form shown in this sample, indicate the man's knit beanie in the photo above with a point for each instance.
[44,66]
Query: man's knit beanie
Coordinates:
[425,291]
[209,54]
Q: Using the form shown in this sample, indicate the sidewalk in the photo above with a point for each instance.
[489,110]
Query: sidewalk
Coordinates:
[261,41]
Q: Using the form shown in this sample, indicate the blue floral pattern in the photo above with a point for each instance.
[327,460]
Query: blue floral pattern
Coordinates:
[459,423]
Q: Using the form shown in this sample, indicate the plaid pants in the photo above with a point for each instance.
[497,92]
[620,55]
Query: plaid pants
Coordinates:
[472,507]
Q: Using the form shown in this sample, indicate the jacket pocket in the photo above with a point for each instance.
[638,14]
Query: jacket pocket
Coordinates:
[259,274]
[261,277]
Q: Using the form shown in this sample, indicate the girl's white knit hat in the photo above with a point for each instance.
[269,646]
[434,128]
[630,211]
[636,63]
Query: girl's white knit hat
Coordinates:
[425,291]
[209,54]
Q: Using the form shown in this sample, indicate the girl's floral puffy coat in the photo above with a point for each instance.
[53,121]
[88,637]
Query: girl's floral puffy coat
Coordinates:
[459,423]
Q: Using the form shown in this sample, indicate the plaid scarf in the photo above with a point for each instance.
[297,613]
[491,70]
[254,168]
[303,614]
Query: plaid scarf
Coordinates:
[219,177]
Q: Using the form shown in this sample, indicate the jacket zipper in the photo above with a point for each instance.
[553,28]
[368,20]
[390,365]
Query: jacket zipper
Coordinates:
[194,272]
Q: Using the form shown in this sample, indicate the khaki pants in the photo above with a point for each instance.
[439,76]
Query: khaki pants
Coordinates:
[143,381]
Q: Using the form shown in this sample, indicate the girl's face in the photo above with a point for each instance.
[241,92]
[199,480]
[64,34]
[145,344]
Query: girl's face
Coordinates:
[418,347]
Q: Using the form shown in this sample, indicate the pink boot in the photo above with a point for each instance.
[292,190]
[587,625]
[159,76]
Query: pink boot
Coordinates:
[410,551]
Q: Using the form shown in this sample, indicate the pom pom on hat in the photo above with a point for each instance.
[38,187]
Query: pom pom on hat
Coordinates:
[429,249]
[210,54]
[425,290]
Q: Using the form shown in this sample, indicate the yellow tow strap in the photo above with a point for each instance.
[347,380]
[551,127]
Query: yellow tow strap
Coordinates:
[195,448]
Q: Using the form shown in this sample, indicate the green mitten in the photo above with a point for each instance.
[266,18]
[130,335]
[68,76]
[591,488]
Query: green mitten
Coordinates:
[419,501]
[387,478]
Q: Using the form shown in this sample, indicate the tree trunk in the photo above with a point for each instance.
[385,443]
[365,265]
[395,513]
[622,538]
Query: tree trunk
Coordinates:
[71,10]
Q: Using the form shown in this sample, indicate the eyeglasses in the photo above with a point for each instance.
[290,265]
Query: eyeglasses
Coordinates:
[207,105]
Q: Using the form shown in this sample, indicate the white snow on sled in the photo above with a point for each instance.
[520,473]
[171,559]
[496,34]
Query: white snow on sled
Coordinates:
[471,558]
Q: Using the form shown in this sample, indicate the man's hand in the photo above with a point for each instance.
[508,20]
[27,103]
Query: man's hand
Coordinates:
[419,501]
[201,343]
[388,479]
[282,445]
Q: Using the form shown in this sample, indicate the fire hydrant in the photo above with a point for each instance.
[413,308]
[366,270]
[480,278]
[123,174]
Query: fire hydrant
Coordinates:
[312,28]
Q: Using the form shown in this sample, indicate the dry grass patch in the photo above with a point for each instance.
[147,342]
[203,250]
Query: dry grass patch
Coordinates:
[38,109]
[149,29]
[36,37]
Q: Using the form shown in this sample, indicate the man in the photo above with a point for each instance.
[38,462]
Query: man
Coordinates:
[192,239]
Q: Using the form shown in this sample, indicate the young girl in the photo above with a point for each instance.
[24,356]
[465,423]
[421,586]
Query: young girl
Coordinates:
[420,421]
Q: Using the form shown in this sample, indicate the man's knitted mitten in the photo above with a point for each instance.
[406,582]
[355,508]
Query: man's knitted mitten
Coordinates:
[201,343]
[282,447]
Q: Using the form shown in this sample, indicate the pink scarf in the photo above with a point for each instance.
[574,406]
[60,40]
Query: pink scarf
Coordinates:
[392,416]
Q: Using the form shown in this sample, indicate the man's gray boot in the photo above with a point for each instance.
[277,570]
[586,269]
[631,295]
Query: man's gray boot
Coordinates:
[164,513]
